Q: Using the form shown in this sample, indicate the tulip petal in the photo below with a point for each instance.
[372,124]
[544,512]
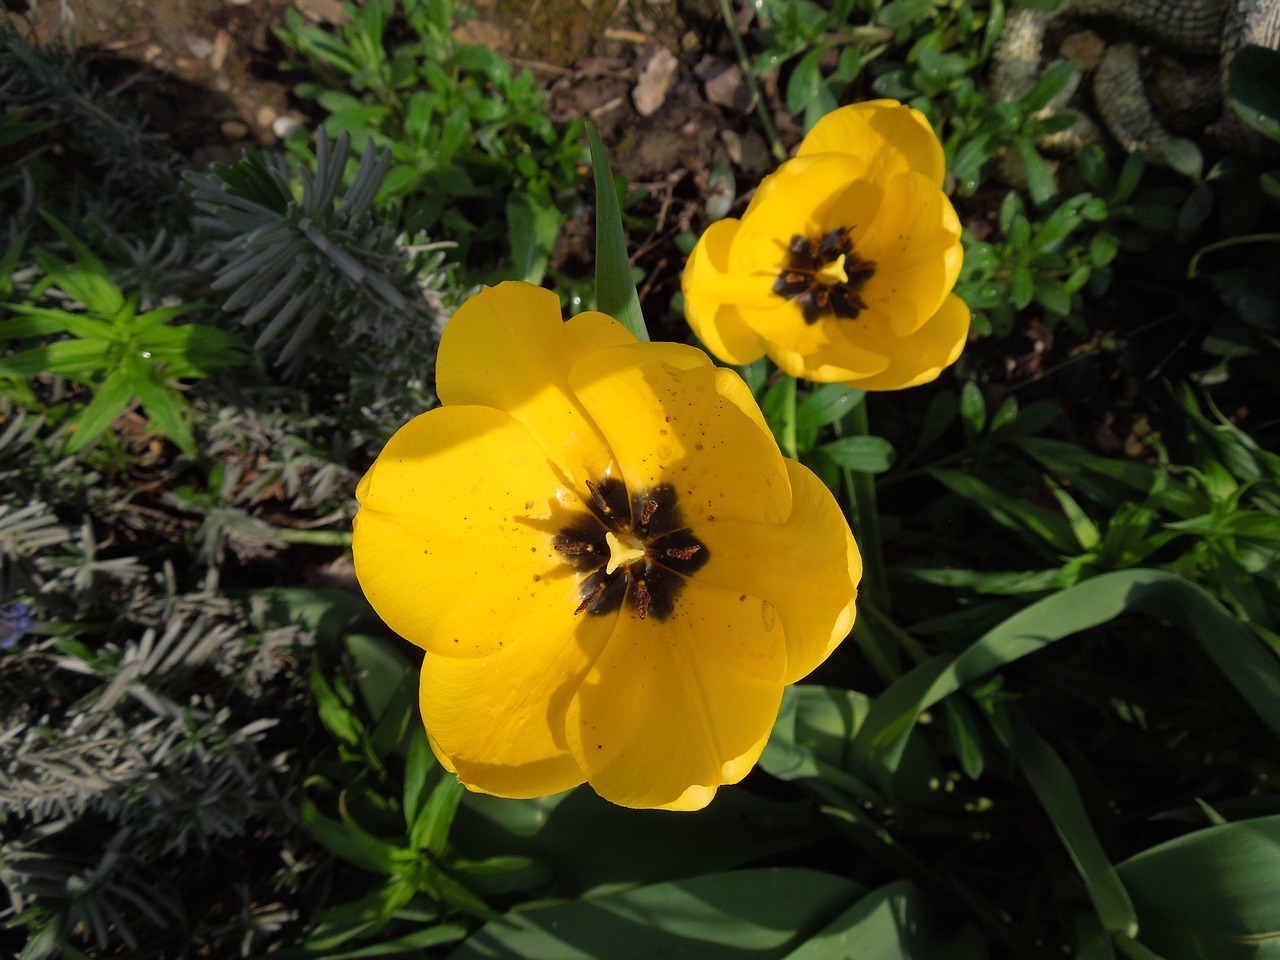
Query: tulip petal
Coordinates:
[807,569]
[667,420]
[920,357]
[803,192]
[659,721]
[507,348]
[499,721]
[884,137]
[914,241]
[708,292]
[453,539]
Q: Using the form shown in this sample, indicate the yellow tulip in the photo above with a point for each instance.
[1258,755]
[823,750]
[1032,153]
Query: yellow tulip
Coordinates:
[842,266]
[609,566]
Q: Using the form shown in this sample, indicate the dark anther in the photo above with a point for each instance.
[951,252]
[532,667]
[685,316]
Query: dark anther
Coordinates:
[593,596]
[609,502]
[583,544]
[646,511]
[800,282]
[649,584]
[641,599]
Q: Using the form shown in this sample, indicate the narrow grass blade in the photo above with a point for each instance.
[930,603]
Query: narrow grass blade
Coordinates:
[1054,787]
[615,288]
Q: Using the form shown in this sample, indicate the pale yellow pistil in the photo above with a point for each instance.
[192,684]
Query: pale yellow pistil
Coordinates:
[832,272]
[622,551]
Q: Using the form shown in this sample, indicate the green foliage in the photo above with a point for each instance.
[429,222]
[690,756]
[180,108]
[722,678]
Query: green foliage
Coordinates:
[1052,730]
[465,135]
[63,137]
[340,299]
[122,355]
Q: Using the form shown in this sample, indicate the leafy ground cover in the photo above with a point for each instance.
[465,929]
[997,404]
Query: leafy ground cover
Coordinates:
[1053,730]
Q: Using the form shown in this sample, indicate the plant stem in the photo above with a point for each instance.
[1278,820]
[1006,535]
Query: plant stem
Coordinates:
[320,538]
[879,651]
[757,101]
[862,491]
[788,439]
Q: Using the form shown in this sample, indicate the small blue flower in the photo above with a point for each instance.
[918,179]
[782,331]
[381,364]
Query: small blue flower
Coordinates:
[15,623]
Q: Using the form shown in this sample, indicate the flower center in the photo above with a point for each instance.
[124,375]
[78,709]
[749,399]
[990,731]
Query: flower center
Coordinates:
[633,550]
[824,276]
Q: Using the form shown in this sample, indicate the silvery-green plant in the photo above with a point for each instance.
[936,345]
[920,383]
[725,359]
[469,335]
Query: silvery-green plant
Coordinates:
[316,273]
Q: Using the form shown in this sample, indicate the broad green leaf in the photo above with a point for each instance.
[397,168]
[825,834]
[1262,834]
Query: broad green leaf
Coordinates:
[894,922]
[42,321]
[109,400]
[1000,582]
[1110,481]
[380,669]
[1238,653]
[1210,895]
[615,286]
[346,839]
[587,842]
[86,279]
[411,944]
[865,454]
[430,829]
[335,714]
[831,401]
[532,230]
[420,772]
[1041,527]
[346,921]
[165,407]
[760,914]
[1054,787]
[1253,88]
[82,360]
[1051,83]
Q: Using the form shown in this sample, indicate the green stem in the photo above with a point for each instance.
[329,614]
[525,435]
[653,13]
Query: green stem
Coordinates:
[757,101]
[320,538]
[880,652]
[788,439]
[862,491]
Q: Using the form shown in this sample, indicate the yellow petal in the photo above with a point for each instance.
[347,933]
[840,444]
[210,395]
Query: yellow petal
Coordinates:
[507,348]
[708,292]
[798,204]
[499,721]
[884,137]
[806,569]
[801,349]
[453,539]
[914,241]
[659,721]
[671,418]
[923,355]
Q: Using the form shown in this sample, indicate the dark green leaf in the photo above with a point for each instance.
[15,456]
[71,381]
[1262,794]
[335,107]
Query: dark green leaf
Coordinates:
[1254,92]
[761,914]
[865,454]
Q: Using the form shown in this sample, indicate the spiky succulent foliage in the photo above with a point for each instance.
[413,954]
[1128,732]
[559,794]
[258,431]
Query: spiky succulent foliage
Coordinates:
[322,279]
[139,731]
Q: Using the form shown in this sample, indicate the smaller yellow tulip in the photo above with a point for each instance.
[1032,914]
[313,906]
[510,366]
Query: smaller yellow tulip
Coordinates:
[841,268]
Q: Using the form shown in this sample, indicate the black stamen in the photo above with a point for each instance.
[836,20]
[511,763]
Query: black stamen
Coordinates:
[800,283]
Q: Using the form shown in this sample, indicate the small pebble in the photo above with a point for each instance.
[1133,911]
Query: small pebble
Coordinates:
[266,116]
[284,125]
[234,129]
